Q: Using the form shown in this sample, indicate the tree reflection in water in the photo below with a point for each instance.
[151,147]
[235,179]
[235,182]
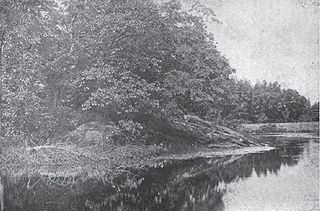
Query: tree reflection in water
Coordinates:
[197,184]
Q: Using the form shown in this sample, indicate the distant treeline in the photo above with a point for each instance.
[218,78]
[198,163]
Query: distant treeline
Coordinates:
[267,103]
[128,64]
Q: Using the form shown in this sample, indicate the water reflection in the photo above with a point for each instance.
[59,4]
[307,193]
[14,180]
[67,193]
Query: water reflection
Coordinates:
[198,184]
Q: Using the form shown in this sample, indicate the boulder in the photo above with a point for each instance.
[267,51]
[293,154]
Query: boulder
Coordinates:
[93,136]
[92,132]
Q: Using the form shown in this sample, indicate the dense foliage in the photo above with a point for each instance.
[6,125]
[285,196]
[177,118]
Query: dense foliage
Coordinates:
[267,102]
[63,63]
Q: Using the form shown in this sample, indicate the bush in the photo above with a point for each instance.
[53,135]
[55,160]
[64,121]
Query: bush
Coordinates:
[37,125]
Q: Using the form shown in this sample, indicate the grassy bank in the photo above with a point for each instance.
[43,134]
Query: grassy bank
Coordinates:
[295,127]
[104,162]
[83,162]
[93,152]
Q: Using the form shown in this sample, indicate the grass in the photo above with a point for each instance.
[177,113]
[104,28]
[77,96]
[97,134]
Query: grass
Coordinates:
[103,159]
[105,162]
[69,160]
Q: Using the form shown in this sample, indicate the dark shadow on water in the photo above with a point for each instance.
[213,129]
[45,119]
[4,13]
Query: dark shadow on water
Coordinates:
[197,184]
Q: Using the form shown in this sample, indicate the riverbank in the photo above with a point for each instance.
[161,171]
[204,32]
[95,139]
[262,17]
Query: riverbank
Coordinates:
[175,184]
[70,160]
[103,162]
[107,161]
[114,173]
[93,150]
[292,127]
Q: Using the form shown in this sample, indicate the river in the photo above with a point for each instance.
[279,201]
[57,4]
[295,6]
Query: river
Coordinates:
[286,178]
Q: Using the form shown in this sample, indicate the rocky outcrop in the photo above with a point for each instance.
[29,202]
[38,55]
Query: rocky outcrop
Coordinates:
[189,130]
[193,129]
[93,132]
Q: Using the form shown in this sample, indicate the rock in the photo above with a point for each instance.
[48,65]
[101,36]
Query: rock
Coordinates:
[93,135]
[93,132]
[193,129]
[82,129]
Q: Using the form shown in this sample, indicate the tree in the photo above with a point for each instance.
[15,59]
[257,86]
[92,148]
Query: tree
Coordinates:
[163,54]
[266,102]
[27,29]
[315,112]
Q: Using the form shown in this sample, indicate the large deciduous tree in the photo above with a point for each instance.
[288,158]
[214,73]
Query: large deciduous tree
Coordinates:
[138,57]
[30,42]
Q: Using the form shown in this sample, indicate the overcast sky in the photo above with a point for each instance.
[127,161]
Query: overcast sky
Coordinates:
[275,40]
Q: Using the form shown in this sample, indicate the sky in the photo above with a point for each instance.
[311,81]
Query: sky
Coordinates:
[275,40]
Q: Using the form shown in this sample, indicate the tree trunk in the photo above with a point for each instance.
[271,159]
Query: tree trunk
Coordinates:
[2,40]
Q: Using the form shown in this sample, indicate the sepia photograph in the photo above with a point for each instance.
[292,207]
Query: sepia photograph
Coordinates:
[159,105]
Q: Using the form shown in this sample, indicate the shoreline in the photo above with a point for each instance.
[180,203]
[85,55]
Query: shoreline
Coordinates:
[166,175]
[110,168]
[289,127]
[288,134]
[107,165]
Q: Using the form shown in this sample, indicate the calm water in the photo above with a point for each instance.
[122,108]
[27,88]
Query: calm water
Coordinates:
[286,178]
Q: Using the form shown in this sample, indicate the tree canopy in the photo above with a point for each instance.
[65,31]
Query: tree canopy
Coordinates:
[69,62]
